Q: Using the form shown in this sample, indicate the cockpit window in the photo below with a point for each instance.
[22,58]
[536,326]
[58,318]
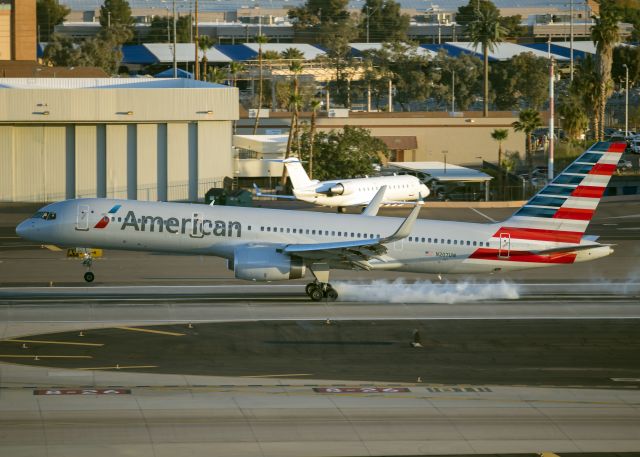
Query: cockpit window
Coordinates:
[46,215]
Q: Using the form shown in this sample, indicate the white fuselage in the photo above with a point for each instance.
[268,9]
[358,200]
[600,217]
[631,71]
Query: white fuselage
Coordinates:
[432,247]
[360,191]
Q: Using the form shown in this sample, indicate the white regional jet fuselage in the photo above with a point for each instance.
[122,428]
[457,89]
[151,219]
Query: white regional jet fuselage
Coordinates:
[351,192]
[268,244]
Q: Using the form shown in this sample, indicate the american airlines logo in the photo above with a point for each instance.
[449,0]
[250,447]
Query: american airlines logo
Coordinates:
[102,223]
[193,226]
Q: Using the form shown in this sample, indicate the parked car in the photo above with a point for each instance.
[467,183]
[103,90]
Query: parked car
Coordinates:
[624,164]
[634,145]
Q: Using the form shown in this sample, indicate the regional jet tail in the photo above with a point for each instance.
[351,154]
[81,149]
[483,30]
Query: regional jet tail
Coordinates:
[269,245]
[349,192]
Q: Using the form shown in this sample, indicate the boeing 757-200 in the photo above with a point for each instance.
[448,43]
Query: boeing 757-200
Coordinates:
[349,192]
[268,245]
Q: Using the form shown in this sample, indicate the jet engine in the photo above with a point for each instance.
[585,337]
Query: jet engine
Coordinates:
[336,189]
[264,263]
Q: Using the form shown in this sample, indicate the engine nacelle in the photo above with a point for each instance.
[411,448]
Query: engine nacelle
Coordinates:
[337,189]
[264,263]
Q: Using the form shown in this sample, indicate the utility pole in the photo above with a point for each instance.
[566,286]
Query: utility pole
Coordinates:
[626,101]
[551,116]
[175,62]
[571,41]
[196,68]
[453,91]
[367,8]
[109,19]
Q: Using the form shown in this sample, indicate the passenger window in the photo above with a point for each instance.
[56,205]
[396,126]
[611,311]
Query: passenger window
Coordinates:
[455,241]
[333,233]
[428,240]
[249,227]
[275,229]
[359,236]
[268,229]
[372,236]
[119,219]
[352,234]
[448,241]
[339,233]
[435,240]
[294,230]
[281,229]
[409,238]
[307,231]
[474,243]
[288,230]
[313,232]
[326,232]
[468,243]
[441,240]
[423,239]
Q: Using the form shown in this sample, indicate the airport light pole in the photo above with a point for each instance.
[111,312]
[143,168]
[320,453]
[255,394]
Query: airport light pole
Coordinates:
[196,68]
[175,62]
[551,116]
[571,41]
[626,100]
[453,91]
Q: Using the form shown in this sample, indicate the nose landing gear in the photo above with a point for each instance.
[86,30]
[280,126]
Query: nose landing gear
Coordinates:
[87,262]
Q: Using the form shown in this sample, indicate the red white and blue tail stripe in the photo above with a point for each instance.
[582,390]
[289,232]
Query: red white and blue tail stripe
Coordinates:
[557,216]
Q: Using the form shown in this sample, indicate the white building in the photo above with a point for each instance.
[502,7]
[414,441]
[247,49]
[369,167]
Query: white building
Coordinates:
[147,139]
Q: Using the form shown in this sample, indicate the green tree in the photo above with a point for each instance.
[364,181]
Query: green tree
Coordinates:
[584,88]
[315,106]
[486,31]
[383,20]
[61,52]
[500,135]
[604,34]
[49,13]
[205,43]
[260,39]
[573,116]
[235,68]
[528,121]
[629,56]
[524,79]
[467,69]
[292,54]
[216,75]
[321,21]
[513,26]
[347,154]
[103,51]
[294,105]
[161,29]
[115,15]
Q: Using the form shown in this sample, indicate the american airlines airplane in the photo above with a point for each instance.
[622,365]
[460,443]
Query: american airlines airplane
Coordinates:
[349,192]
[269,245]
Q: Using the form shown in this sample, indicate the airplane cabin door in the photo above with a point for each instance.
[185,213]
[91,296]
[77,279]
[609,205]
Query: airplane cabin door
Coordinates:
[505,245]
[82,218]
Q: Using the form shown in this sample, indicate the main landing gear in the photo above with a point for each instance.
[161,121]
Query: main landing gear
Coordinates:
[318,291]
[320,288]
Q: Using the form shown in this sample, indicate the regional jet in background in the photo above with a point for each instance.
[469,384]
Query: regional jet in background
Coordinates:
[269,245]
[349,192]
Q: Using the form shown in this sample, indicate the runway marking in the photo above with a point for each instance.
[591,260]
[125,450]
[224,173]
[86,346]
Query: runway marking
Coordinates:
[483,215]
[24,356]
[9,237]
[148,330]
[628,228]
[68,343]
[52,247]
[277,375]
[119,367]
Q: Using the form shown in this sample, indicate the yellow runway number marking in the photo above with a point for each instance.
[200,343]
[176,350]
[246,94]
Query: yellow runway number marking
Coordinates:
[148,330]
[68,343]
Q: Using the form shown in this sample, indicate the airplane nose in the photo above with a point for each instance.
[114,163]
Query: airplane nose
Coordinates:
[22,230]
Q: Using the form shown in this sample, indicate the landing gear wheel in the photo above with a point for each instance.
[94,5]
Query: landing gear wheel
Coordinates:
[89,276]
[331,294]
[316,294]
[309,288]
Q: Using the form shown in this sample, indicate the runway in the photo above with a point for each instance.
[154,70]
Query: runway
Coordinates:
[170,355]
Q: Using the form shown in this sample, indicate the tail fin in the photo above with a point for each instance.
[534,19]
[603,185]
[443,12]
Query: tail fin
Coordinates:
[562,210]
[299,177]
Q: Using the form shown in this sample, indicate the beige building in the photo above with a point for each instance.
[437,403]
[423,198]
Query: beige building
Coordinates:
[419,136]
[18,30]
[148,139]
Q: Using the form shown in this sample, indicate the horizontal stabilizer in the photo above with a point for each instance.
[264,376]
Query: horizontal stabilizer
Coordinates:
[571,248]
[260,194]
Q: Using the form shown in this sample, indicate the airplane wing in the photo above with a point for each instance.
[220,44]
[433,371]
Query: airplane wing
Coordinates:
[260,194]
[355,253]
[374,205]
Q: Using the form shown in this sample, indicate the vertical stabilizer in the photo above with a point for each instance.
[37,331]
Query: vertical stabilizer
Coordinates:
[299,177]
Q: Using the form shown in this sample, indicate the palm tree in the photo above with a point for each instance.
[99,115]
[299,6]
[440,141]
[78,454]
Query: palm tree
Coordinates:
[315,105]
[294,104]
[260,39]
[486,31]
[604,34]
[216,75]
[574,118]
[584,89]
[204,43]
[528,121]
[500,135]
[292,54]
[236,68]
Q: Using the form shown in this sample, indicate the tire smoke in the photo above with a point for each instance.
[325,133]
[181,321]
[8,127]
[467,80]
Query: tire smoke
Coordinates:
[401,291]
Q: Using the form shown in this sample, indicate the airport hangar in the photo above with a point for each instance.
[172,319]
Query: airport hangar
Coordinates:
[145,139]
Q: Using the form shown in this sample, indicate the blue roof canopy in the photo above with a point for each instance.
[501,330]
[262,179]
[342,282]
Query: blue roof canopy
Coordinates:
[169,74]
